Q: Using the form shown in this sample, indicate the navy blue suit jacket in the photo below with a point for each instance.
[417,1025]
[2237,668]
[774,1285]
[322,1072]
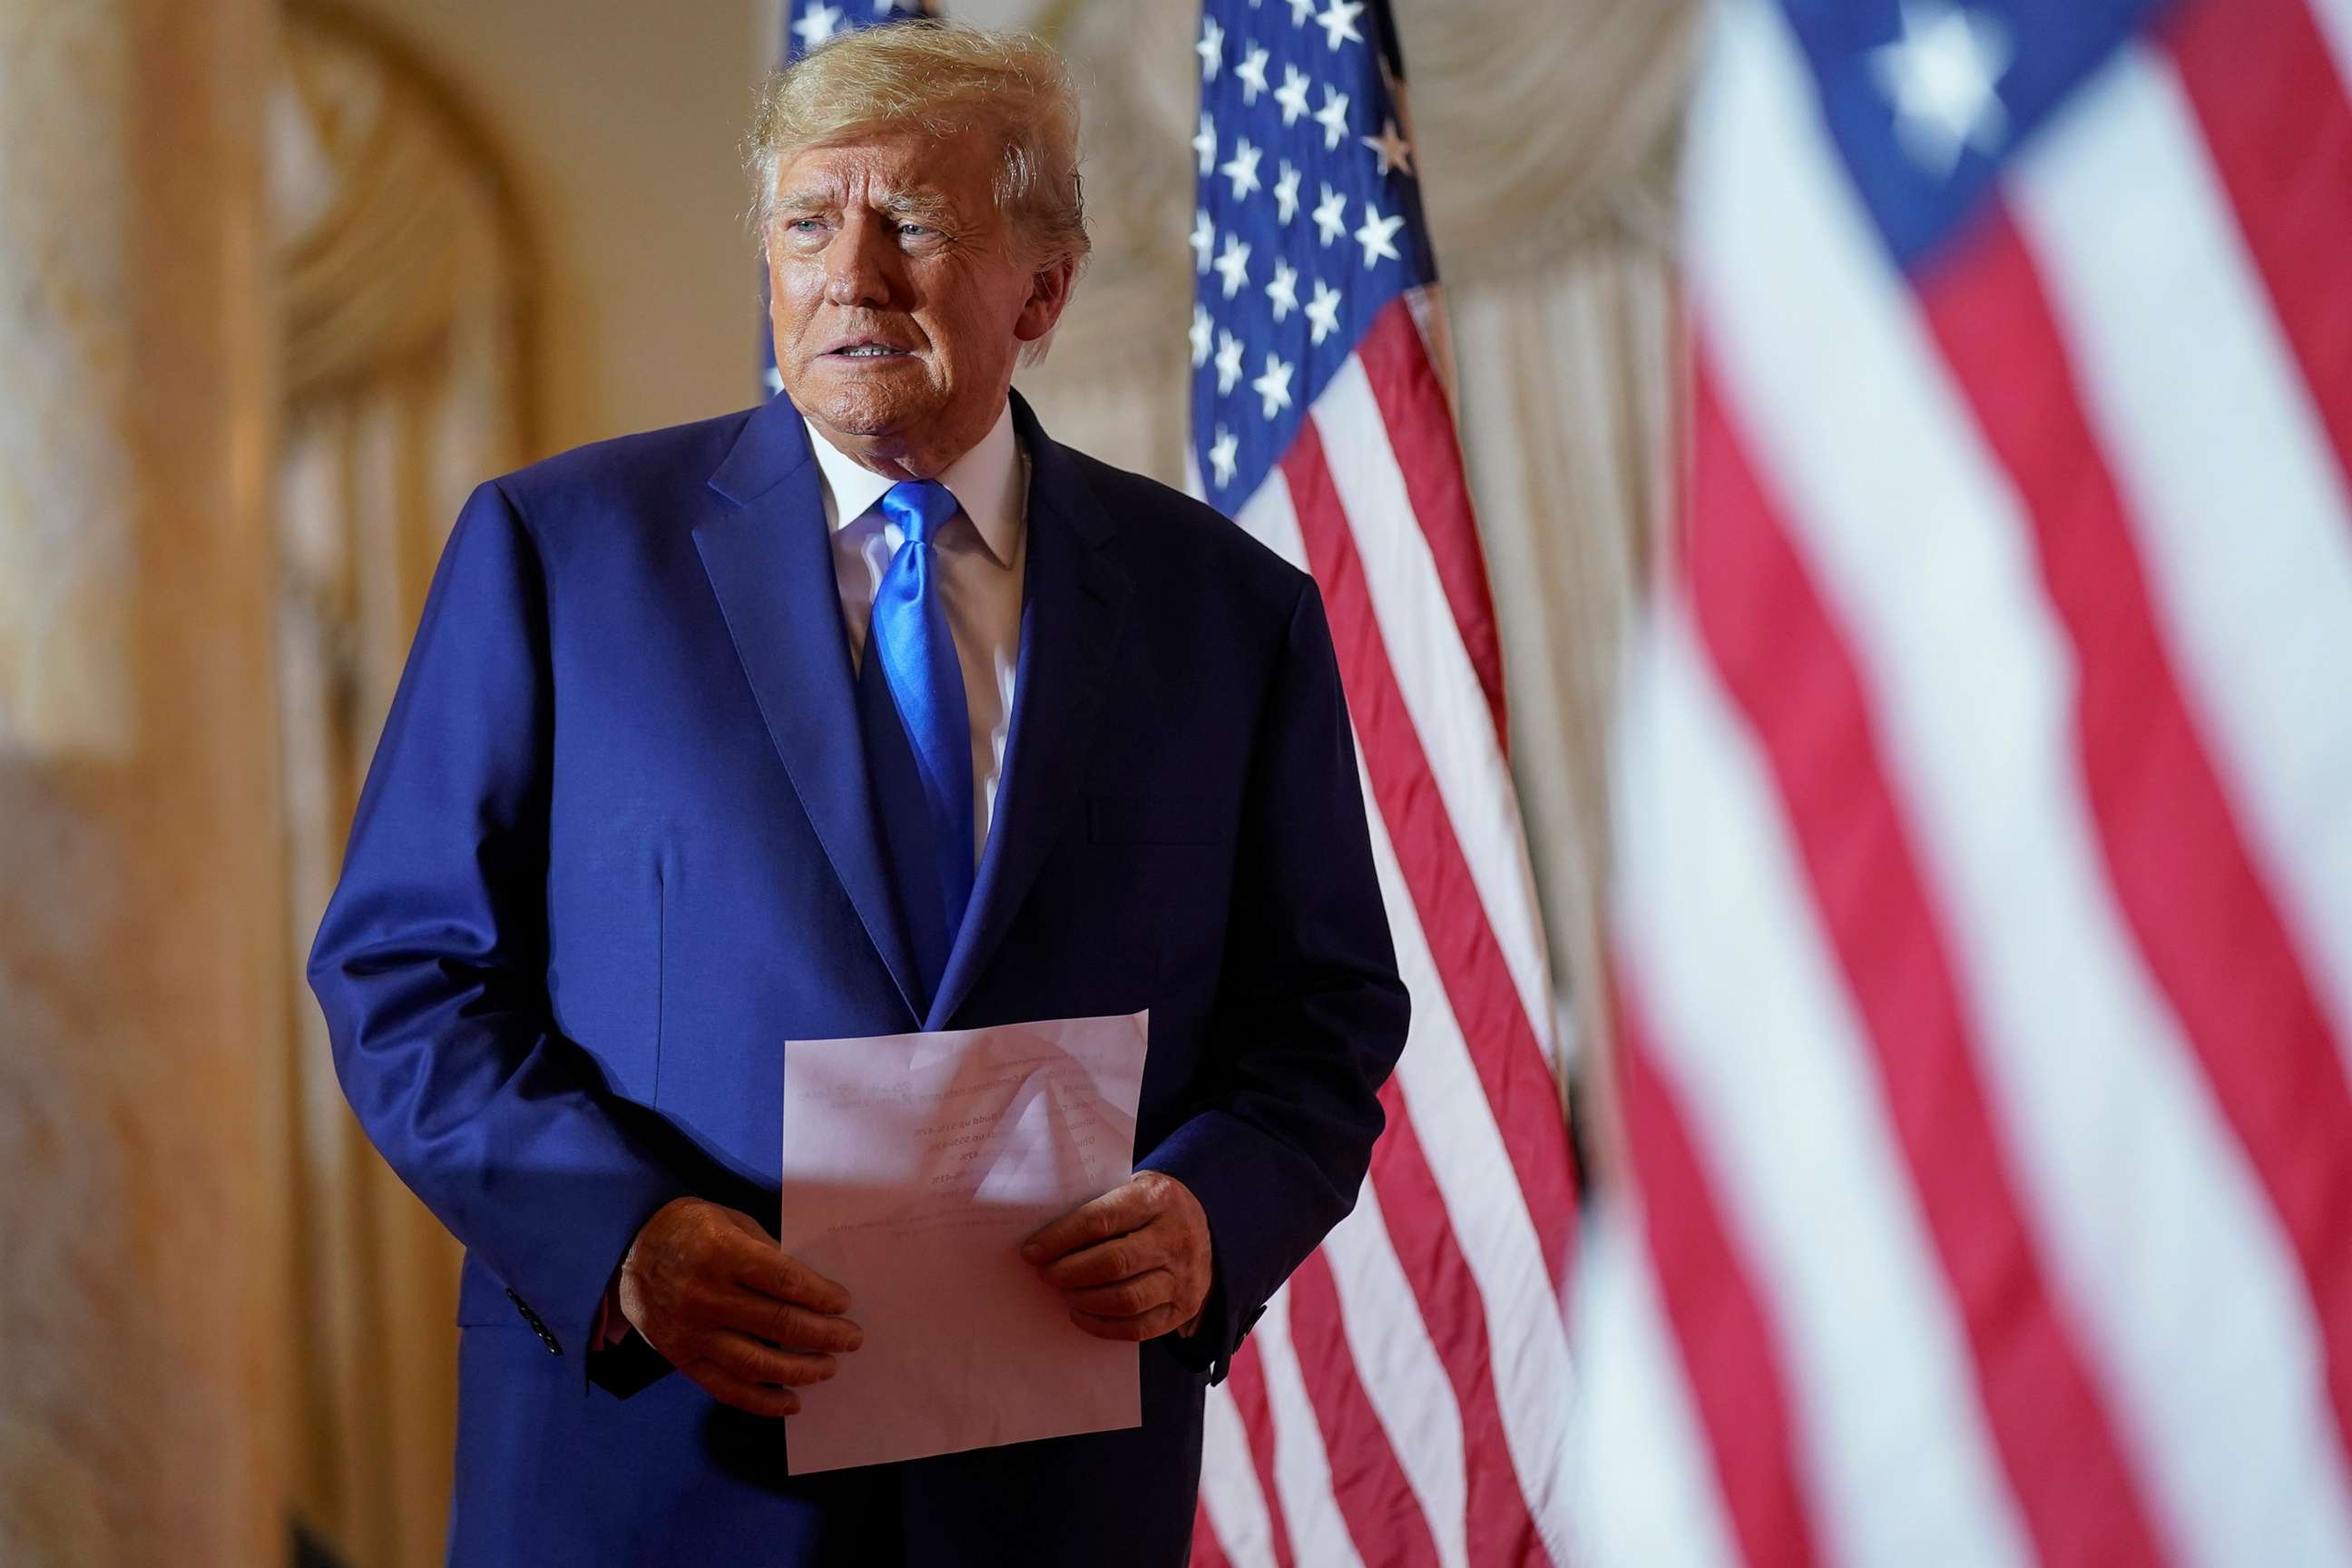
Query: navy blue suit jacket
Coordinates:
[616,846]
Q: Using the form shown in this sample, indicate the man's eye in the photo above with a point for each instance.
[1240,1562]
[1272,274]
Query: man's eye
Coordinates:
[916,230]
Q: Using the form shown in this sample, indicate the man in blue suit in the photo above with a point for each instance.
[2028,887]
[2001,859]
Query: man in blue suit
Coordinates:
[868,709]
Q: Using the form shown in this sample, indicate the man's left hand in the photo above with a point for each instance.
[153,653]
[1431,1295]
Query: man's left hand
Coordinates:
[1131,1265]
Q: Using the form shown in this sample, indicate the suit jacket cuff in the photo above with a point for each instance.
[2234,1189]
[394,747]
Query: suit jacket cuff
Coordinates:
[1265,1214]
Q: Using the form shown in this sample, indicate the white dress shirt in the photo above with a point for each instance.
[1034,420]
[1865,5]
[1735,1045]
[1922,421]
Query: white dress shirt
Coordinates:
[980,557]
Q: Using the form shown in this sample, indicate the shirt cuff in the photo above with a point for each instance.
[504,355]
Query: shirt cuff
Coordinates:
[612,1325]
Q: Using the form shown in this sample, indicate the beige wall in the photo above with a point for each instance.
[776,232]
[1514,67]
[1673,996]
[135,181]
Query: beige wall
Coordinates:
[619,121]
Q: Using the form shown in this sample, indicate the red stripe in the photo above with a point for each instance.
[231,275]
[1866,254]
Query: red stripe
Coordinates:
[1207,1552]
[2182,875]
[1420,420]
[1383,1515]
[1730,1356]
[1501,1526]
[1510,1063]
[1782,660]
[2279,128]
[1245,1381]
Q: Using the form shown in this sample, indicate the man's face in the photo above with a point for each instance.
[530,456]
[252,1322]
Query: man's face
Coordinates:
[900,295]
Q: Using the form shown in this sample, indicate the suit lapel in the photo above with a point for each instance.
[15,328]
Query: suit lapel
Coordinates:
[770,565]
[1071,610]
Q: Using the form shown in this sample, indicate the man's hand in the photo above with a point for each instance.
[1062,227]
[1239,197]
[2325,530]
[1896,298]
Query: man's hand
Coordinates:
[731,1310]
[1131,1265]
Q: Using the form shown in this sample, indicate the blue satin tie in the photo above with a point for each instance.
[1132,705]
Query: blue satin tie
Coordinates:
[909,645]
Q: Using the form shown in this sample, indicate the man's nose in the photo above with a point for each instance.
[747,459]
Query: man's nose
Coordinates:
[860,265]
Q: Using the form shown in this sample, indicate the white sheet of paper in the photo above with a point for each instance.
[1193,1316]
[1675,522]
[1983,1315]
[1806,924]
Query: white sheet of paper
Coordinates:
[915,1166]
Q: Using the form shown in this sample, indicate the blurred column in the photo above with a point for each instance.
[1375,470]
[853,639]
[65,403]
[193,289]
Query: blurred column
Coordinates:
[142,981]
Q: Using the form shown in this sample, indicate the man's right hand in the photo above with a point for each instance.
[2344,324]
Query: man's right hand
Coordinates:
[731,1310]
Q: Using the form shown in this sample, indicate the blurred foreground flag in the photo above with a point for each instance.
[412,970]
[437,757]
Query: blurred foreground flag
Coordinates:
[1405,1398]
[1984,903]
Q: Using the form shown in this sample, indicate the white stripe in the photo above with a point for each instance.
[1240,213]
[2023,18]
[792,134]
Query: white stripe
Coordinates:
[1302,1470]
[1228,1484]
[1526,1339]
[1756,1032]
[2335,19]
[1442,694]
[1400,1371]
[1271,519]
[1644,1487]
[2155,1233]
[2233,487]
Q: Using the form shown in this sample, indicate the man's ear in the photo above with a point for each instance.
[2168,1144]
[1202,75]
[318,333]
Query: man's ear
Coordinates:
[1049,293]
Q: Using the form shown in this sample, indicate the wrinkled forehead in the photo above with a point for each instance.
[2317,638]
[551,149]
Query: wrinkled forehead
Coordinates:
[892,167]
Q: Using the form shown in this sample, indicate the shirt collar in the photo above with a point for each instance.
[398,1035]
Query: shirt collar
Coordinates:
[986,482]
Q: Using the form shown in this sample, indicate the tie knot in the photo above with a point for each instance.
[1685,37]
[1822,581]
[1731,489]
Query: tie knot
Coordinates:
[919,507]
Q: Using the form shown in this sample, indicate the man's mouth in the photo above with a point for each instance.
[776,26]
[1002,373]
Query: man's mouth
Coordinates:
[867,351]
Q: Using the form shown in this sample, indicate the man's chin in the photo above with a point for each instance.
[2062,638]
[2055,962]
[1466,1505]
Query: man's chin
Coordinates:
[851,412]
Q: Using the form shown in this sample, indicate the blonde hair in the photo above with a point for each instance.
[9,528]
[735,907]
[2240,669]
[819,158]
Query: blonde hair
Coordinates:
[946,79]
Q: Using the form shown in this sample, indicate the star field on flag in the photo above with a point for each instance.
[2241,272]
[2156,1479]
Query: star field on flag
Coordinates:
[1333,126]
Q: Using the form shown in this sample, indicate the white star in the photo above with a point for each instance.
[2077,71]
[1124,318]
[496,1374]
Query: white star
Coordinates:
[1242,168]
[1331,214]
[1205,238]
[1273,387]
[1392,150]
[1300,12]
[1374,237]
[1286,193]
[1339,21]
[1229,361]
[1204,142]
[1333,117]
[1211,49]
[817,24]
[1292,94]
[1284,289]
[1201,334]
[1233,265]
[1940,79]
[1221,456]
[1251,74]
[1323,310]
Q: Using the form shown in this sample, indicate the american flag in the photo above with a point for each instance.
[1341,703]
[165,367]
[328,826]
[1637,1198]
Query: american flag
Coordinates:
[806,25]
[1984,914]
[1404,1399]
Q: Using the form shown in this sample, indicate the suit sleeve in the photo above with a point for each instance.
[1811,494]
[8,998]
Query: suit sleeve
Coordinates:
[431,962]
[1310,1015]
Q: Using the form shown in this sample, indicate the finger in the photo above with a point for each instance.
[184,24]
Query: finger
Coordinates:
[1116,1212]
[1149,1326]
[771,1270]
[1131,1298]
[1106,1263]
[783,1323]
[756,1360]
[728,1389]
